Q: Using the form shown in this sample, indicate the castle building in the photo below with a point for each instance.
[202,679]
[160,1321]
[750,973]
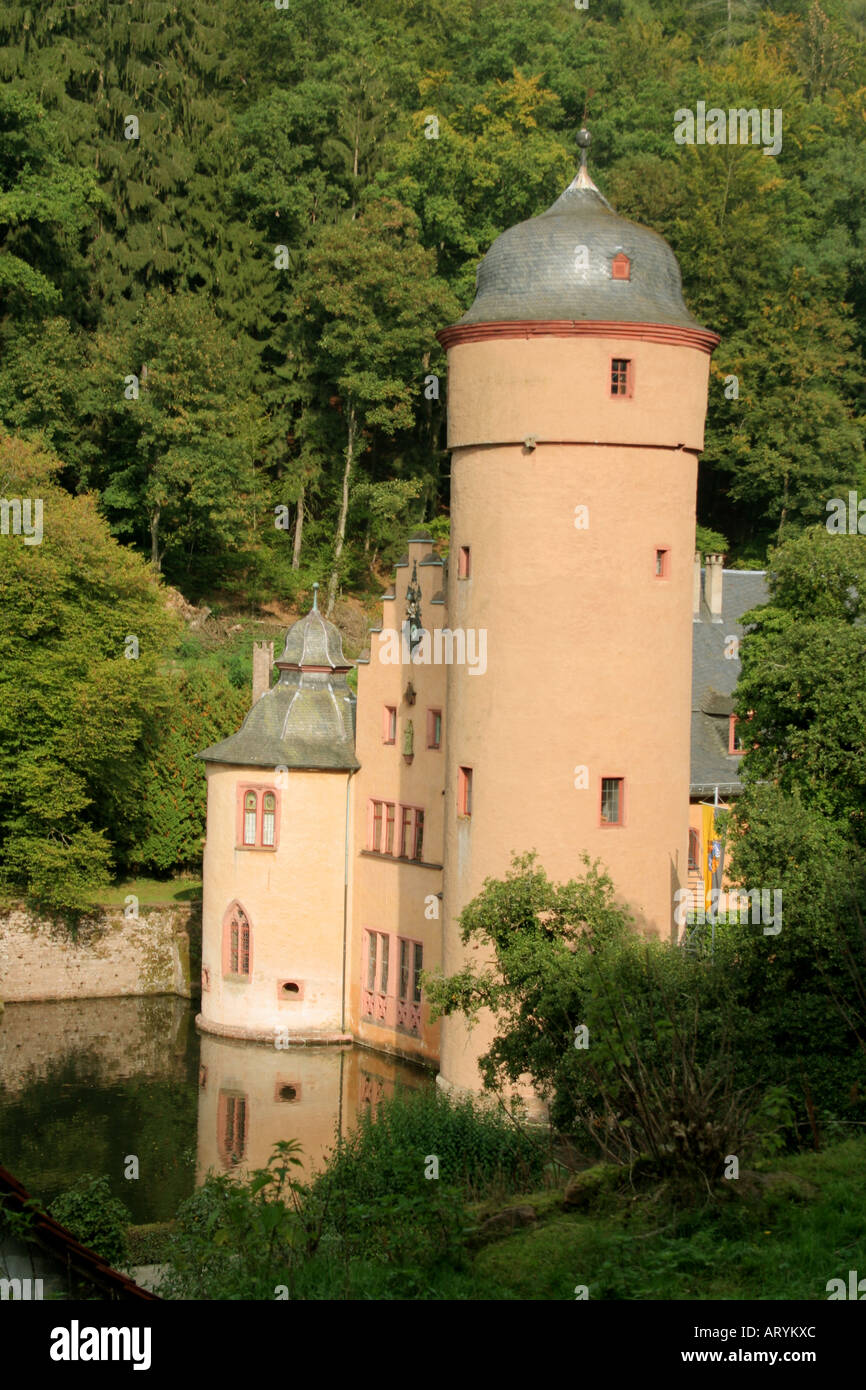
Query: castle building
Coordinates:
[535,693]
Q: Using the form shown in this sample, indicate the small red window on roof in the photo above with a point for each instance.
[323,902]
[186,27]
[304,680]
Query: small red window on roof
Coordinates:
[620,267]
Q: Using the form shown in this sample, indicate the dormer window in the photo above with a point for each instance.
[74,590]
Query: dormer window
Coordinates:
[620,267]
[735,741]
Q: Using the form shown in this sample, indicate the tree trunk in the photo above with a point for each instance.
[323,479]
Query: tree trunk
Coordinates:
[299,531]
[344,511]
[784,516]
[155,557]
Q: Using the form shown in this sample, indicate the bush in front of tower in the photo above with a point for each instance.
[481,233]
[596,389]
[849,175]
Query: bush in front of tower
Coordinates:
[643,1051]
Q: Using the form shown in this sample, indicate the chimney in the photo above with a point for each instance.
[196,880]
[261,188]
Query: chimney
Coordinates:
[263,660]
[713,586]
[696,589]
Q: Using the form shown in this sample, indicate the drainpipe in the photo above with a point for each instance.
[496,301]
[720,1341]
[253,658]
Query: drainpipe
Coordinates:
[345,905]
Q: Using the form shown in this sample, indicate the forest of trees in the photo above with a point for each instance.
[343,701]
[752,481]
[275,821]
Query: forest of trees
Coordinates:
[226,242]
[229,231]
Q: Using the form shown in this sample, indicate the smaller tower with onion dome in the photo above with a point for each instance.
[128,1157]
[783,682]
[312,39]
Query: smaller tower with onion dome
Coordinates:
[274,919]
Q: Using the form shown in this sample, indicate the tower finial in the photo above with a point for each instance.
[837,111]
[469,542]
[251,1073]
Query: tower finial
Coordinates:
[315,607]
[584,140]
[582,177]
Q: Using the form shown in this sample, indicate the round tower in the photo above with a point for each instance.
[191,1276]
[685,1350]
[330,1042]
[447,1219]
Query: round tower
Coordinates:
[577,389]
[274,916]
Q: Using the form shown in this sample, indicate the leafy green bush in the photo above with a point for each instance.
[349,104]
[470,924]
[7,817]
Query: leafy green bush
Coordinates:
[95,1217]
[480,1150]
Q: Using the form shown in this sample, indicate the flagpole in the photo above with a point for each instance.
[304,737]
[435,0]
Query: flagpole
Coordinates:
[713,913]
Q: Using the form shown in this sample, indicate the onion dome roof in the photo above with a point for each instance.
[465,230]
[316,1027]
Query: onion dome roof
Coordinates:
[306,720]
[560,266]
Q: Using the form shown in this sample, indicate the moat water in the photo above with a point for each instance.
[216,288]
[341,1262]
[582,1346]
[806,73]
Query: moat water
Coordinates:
[87,1084]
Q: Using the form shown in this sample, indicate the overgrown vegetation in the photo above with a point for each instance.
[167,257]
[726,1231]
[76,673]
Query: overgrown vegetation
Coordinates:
[376,1223]
[95,1217]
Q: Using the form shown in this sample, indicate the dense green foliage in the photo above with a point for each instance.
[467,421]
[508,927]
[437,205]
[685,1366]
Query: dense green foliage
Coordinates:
[678,1048]
[377,1222]
[97,736]
[96,1218]
[302,238]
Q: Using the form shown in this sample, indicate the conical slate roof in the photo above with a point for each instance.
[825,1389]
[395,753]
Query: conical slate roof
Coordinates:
[536,271]
[306,720]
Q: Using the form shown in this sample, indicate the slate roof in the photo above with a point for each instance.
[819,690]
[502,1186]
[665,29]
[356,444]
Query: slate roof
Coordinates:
[714,678]
[306,720]
[531,273]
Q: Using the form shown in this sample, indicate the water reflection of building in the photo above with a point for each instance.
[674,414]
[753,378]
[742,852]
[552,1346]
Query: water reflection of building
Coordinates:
[251,1097]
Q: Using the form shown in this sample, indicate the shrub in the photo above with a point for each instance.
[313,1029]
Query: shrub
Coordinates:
[95,1217]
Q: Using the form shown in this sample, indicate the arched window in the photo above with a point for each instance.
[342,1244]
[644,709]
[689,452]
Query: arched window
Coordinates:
[269,818]
[250,800]
[237,943]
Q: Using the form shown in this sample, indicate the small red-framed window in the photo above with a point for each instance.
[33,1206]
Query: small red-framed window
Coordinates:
[411,832]
[411,965]
[258,824]
[269,819]
[621,377]
[620,267]
[662,562]
[464,791]
[380,827]
[694,851]
[735,742]
[464,562]
[434,728]
[237,944]
[251,817]
[389,724]
[612,810]
[377,964]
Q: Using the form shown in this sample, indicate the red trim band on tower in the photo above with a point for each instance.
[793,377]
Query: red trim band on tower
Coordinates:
[672,334]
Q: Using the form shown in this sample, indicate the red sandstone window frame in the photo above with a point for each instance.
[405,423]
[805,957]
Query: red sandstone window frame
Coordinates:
[620,267]
[243,953]
[410,965]
[434,728]
[411,832]
[464,562]
[390,838]
[464,792]
[376,974]
[389,723]
[621,375]
[267,818]
[620,821]
[662,562]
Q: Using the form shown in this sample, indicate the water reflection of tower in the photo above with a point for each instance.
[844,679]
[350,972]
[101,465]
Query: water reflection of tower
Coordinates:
[251,1097]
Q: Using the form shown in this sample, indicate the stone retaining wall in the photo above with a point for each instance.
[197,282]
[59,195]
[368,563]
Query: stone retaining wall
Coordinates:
[110,954]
